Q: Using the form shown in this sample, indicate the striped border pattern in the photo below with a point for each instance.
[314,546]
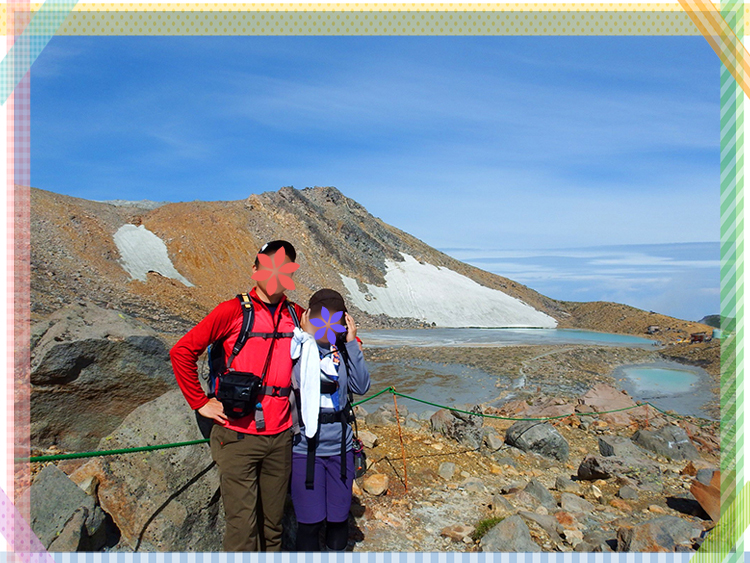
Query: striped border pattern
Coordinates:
[31,37]
[718,29]
[358,19]
[364,22]
[18,266]
[387,557]
[732,282]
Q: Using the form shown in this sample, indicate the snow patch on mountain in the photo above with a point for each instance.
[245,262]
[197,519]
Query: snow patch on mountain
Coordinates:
[142,251]
[438,295]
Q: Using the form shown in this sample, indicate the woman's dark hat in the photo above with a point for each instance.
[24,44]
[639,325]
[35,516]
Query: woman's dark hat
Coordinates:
[328,298]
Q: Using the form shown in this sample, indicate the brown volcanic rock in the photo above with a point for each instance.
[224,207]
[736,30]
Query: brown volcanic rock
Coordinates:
[213,244]
[91,367]
[164,500]
[72,250]
[709,496]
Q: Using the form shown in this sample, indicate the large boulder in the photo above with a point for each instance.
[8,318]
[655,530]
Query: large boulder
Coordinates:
[164,500]
[511,534]
[551,407]
[538,437]
[540,493]
[381,417]
[646,474]
[603,398]
[662,534]
[63,517]
[90,367]
[709,495]
[670,441]
[619,446]
[465,428]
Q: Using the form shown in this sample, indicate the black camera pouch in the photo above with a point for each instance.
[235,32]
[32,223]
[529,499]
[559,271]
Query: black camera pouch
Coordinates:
[238,392]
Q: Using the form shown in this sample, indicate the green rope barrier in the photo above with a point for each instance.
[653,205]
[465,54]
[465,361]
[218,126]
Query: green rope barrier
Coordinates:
[111,452]
[391,389]
[637,405]
[516,419]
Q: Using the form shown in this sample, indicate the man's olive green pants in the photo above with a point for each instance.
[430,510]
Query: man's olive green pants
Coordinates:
[254,477]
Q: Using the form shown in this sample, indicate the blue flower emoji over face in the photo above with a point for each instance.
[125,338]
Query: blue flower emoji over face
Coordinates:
[327,324]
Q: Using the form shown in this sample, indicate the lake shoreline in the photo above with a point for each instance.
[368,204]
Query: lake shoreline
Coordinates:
[554,370]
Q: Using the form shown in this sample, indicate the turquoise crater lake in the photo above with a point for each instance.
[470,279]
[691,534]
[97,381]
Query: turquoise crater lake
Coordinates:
[667,385]
[498,337]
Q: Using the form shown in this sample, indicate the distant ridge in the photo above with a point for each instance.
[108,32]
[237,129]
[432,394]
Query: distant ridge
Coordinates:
[390,278]
[142,204]
[711,320]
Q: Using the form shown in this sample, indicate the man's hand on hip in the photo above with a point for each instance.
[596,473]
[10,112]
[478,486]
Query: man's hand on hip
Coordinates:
[215,410]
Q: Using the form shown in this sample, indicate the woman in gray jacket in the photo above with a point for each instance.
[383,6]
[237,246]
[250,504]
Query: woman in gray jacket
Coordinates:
[330,368]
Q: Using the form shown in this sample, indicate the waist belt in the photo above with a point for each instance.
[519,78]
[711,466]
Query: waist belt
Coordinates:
[329,417]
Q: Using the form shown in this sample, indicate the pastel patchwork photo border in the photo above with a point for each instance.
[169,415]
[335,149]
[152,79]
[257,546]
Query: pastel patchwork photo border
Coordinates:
[29,27]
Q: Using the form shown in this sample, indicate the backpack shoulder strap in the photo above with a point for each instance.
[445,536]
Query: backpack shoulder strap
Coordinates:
[293,312]
[248,317]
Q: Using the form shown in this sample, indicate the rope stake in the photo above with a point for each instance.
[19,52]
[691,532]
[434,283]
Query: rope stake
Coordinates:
[401,439]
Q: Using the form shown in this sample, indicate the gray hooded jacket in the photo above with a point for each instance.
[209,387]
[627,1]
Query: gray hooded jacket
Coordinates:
[357,380]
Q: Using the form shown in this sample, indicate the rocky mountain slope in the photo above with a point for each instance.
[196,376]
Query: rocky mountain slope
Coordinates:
[340,245]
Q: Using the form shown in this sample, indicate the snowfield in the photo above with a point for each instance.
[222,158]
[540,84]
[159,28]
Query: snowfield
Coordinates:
[142,251]
[444,297]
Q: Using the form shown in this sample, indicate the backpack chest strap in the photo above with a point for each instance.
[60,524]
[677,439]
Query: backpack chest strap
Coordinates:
[270,334]
[275,391]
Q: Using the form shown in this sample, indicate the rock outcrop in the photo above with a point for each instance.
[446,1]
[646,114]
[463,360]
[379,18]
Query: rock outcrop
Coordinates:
[466,429]
[63,517]
[670,441]
[164,500]
[90,368]
[538,437]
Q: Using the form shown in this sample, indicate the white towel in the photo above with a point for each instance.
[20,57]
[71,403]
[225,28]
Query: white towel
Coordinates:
[305,348]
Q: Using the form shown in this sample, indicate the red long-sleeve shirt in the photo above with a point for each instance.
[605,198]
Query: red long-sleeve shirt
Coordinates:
[225,321]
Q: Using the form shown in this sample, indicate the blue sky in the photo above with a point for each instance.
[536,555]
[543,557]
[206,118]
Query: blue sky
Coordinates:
[504,143]
[678,279]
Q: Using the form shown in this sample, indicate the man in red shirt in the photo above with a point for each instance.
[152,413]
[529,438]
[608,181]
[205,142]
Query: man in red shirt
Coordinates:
[254,458]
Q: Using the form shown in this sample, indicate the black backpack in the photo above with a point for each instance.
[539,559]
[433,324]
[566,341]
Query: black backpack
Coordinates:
[218,367]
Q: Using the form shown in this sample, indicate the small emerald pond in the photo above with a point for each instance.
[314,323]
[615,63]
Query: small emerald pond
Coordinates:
[667,385]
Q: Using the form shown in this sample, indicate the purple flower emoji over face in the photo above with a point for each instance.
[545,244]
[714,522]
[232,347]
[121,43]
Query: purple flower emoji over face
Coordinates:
[327,325]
